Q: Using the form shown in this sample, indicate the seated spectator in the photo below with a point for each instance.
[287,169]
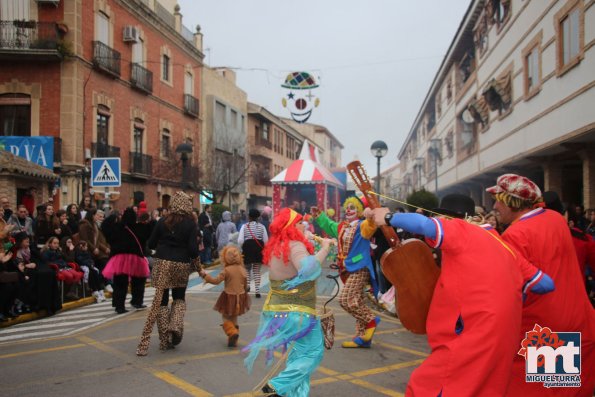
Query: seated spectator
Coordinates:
[44,284]
[67,247]
[63,229]
[6,210]
[46,224]
[74,217]
[8,286]
[51,254]
[27,296]
[84,259]
[21,221]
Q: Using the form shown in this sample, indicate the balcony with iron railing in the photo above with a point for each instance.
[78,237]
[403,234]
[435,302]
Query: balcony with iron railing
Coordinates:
[264,142]
[141,164]
[262,179]
[106,58]
[141,78]
[30,39]
[104,150]
[190,105]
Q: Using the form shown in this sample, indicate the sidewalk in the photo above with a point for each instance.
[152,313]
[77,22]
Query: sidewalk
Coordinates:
[24,318]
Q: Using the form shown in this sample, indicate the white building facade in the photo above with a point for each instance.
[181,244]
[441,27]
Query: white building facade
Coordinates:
[514,93]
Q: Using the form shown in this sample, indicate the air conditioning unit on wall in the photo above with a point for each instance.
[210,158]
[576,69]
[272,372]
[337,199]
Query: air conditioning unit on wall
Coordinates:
[130,34]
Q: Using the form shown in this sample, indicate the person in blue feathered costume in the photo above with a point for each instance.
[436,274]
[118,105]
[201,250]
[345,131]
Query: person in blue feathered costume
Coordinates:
[288,320]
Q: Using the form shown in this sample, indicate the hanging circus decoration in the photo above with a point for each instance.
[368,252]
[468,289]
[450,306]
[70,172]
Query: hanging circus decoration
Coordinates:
[299,100]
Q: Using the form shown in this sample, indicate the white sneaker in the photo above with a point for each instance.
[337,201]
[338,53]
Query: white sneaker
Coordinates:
[109,288]
[101,296]
[96,296]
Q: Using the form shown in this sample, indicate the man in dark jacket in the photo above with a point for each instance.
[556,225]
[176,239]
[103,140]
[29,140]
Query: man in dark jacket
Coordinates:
[205,224]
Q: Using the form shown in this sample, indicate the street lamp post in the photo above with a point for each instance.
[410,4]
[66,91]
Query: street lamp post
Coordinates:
[184,149]
[267,180]
[379,150]
[434,150]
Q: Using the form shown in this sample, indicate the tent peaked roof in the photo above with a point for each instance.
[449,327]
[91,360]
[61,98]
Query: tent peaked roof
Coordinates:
[309,151]
[307,171]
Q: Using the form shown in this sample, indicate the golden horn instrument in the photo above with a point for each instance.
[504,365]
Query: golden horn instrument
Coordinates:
[319,239]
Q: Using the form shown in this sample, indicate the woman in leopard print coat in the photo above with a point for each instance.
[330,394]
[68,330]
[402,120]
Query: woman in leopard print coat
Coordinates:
[175,241]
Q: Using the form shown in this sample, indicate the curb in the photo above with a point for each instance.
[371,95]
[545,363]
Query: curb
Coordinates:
[66,306]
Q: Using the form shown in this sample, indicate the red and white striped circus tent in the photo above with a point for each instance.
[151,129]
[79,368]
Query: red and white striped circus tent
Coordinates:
[303,172]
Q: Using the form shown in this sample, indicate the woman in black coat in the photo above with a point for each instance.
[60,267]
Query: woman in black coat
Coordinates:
[175,241]
[127,258]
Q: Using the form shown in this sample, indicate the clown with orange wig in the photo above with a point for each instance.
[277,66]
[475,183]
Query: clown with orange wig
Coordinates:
[357,268]
[288,319]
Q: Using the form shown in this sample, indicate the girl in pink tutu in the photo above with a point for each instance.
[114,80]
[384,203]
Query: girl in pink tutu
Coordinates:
[127,260]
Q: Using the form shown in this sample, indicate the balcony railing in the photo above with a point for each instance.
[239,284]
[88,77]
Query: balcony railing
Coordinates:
[106,58]
[28,35]
[141,163]
[263,142]
[34,39]
[190,105]
[104,150]
[141,78]
[262,180]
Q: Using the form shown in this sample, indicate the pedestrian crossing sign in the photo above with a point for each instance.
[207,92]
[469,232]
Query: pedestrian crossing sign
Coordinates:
[106,172]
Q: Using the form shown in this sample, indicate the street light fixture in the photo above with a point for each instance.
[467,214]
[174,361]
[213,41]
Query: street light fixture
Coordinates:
[184,149]
[435,152]
[379,150]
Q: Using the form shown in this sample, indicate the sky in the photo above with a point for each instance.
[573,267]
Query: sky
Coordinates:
[374,60]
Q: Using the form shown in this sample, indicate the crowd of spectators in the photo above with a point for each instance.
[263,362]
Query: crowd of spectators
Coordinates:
[51,255]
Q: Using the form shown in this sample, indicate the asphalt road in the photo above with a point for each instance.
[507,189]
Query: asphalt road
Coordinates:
[100,360]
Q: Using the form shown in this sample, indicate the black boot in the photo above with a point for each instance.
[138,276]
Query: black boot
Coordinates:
[268,390]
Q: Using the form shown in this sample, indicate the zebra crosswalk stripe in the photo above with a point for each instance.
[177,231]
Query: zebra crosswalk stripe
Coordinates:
[67,323]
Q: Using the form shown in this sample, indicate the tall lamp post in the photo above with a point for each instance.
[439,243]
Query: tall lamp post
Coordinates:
[434,150]
[184,149]
[378,150]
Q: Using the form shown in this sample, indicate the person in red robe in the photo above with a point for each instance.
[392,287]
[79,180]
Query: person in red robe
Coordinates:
[28,200]
[542,237]
[475,314]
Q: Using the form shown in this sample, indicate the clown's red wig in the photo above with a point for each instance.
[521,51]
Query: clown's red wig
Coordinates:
[282,233]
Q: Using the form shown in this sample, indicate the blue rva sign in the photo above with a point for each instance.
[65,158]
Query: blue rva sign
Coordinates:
[37,149]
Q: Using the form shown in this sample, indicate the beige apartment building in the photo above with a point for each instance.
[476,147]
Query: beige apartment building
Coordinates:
[273,145]
[514,93]
[224,168]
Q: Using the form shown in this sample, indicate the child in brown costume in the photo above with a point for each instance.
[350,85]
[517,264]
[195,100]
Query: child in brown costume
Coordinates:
[233,301]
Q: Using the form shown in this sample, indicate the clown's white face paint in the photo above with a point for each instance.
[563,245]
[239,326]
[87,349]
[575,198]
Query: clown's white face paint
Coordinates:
[351,212]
